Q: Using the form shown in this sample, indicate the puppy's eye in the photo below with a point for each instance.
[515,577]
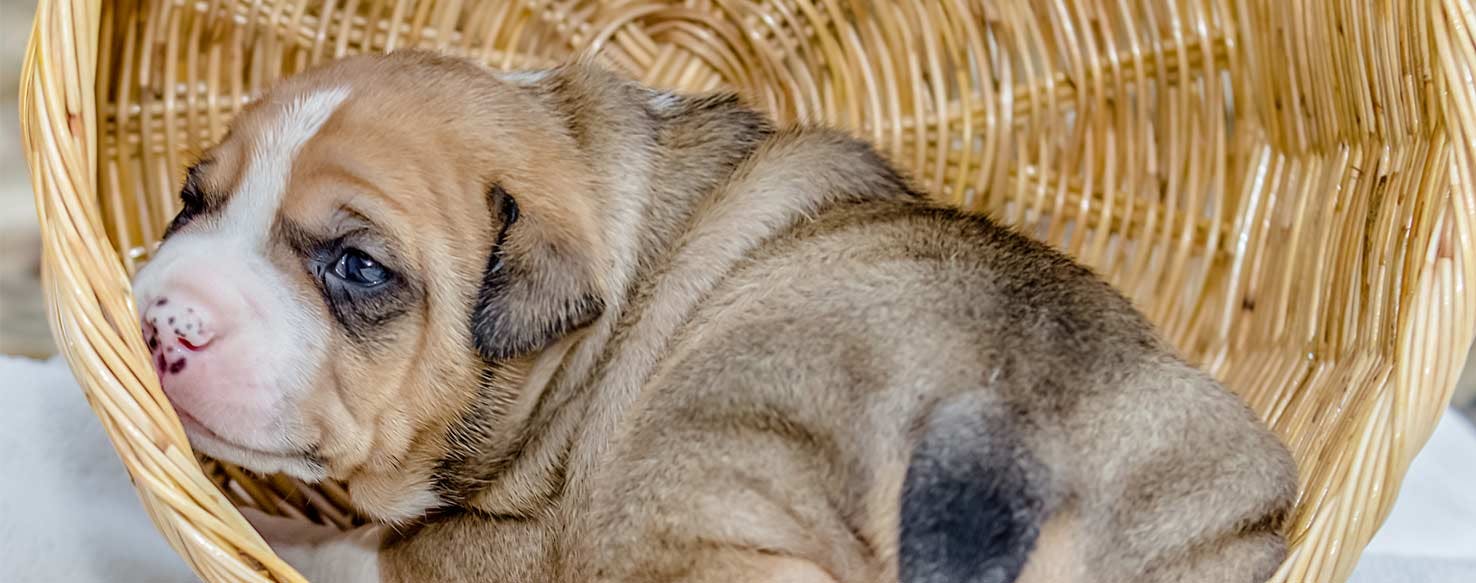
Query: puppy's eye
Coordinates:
[192,202]
[358,268]
[189,195]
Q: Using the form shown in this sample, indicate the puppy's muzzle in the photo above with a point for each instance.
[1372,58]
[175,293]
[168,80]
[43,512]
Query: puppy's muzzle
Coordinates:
[176,327]
[220,331]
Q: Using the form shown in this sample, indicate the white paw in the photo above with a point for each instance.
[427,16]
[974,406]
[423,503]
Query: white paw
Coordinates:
[287,531]
[322,554]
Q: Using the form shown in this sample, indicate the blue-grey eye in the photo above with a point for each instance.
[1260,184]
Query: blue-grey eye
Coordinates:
[358,268]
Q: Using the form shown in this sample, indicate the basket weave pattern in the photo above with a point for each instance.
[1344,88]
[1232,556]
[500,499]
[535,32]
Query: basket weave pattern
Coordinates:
[1283,186]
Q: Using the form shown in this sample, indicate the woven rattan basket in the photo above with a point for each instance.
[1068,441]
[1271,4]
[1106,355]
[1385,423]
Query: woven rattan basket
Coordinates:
[1284,186]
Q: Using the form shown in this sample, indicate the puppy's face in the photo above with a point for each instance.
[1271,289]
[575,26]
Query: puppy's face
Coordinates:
[348,261]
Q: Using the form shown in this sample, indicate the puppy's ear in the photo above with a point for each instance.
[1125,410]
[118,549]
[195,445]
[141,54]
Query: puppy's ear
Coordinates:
[542,279]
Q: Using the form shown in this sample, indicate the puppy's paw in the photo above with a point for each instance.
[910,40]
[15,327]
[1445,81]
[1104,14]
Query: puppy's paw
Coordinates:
[282,531]
[322,554]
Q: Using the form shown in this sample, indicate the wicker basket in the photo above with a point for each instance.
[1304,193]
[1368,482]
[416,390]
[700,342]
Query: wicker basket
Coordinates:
[1283,186]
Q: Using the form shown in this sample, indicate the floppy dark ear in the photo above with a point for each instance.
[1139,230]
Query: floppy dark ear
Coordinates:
[542,280]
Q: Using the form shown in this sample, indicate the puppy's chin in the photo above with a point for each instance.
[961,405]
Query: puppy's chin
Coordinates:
[298,465]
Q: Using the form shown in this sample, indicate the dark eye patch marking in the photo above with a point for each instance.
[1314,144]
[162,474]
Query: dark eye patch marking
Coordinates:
[364,313]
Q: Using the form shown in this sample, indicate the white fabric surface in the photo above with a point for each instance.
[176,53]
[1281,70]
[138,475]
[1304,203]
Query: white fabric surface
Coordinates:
[67,510]
[71,515]
[1430,537]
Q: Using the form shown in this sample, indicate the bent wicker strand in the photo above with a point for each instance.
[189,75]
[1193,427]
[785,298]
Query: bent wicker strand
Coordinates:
[1285,187]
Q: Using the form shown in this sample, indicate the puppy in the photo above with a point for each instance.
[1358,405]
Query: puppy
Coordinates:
[557,326]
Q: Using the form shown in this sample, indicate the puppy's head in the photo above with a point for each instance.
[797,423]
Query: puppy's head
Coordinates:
[349,259]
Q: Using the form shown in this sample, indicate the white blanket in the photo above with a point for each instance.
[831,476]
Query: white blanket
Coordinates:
[1430,537]
[71,515]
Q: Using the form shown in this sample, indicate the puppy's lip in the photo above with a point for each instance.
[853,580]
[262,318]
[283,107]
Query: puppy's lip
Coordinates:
[197,427]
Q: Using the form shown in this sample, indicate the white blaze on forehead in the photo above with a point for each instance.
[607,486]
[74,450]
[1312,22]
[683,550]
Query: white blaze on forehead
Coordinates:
[251,209]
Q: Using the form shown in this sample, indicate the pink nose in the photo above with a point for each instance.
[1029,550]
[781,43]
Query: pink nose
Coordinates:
[174,330]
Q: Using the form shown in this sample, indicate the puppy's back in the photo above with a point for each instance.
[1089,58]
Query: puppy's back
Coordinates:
[992,386]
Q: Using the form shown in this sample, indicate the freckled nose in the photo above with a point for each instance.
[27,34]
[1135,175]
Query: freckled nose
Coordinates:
[173,329]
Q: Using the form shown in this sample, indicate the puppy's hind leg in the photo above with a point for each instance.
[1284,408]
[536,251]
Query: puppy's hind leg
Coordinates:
[1250,557]
[1196,490]
[1197,526]
[973,500]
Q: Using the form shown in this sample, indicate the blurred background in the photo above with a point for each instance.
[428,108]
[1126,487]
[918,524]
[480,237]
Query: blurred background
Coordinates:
[1434,523]
[23,328]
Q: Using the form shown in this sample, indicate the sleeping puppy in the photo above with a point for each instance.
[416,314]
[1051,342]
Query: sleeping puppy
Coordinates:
[557,326]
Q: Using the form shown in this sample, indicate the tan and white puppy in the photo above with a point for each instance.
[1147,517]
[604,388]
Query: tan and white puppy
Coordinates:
[556,326]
